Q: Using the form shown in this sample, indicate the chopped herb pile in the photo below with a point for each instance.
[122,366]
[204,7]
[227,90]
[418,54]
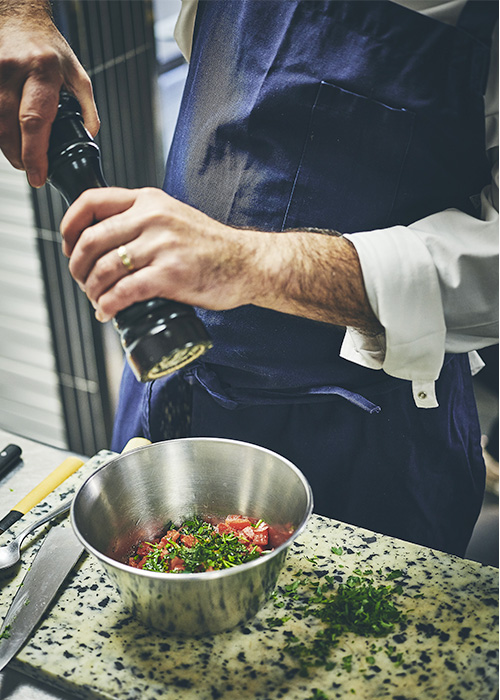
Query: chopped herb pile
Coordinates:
[360,607]
[356,606]
[198,546]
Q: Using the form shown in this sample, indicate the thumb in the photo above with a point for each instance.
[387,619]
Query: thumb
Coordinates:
[81,87]
[89,110]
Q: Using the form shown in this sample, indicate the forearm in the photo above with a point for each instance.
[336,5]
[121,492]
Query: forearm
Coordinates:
[182,254]
[314,275]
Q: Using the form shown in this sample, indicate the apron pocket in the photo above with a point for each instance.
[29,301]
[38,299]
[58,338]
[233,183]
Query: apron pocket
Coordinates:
[358,146]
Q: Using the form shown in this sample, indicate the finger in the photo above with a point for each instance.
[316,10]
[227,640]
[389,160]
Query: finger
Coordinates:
[79,83]
[110,268]
[139,286]
[103,237]
[91,206]
[10,133]
[95,243]
[85,97]
[106,272]
[37,111]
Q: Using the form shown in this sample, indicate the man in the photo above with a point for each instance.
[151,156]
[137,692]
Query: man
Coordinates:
[300,120]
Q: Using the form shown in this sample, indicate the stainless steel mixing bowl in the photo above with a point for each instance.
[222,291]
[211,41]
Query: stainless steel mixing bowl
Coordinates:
[131,499]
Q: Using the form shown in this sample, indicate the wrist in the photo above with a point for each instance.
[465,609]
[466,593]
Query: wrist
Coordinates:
[21,19]
[26,9]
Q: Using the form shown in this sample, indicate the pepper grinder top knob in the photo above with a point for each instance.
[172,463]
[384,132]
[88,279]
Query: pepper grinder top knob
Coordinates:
[74,157]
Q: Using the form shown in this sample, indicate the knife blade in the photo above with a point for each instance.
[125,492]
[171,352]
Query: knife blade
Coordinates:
[53,480]
[54,560]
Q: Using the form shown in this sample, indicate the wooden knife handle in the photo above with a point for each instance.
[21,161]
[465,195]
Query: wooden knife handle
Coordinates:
[52,481]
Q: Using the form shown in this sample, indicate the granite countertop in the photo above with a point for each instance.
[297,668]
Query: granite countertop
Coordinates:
[88,646]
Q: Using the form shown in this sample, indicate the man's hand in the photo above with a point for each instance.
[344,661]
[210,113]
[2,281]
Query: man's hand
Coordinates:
[35,63]
[179,253]
[176,251]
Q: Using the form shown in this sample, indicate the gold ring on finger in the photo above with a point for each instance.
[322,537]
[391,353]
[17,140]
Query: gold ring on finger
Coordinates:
[125,258]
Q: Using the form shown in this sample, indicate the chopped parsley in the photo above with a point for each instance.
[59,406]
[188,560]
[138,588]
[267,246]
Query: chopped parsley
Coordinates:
[317,695]
[358,606]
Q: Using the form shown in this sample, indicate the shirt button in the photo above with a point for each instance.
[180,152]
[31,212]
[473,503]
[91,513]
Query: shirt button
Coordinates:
[422,395]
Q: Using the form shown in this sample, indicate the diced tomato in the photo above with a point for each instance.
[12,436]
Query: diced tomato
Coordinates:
[171,536]
[252,547]
[261,538]
[261,534]
[247,533]
[237,522]
[177,564]
[137,562]
[222,528]
[143,549]
[188,540]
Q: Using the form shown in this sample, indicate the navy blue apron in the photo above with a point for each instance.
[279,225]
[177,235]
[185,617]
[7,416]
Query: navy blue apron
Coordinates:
[347,116]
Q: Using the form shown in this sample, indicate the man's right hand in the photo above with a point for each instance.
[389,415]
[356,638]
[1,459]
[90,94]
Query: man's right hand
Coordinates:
[35,63]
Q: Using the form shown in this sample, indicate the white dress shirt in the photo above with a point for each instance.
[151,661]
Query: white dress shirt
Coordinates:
[433,285]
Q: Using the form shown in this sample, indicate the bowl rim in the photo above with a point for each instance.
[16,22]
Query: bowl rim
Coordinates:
[204,575]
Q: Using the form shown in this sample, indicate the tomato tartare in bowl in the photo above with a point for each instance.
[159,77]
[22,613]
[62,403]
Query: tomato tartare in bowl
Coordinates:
[194,531]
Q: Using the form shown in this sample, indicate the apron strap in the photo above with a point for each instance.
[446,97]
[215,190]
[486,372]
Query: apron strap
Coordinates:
[234,397]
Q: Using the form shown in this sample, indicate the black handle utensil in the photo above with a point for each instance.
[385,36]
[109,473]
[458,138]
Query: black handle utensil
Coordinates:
[9,457]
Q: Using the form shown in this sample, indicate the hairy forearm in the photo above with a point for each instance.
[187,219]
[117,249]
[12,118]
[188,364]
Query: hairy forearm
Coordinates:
[25,8]
[181,253]
[316,276]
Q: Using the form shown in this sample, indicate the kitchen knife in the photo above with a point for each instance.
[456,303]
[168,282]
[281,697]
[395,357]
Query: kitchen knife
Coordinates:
[54,560]
[9,457]
[52,481]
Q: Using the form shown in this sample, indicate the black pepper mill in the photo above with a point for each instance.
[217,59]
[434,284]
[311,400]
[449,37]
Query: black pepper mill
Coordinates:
[159,336]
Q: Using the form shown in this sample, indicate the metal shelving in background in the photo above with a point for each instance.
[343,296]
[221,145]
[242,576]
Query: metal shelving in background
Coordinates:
[59,367]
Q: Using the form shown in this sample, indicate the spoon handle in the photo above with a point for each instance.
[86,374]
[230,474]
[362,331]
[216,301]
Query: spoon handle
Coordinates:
[45,519]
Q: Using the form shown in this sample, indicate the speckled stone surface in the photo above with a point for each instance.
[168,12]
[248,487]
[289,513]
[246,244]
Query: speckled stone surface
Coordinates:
[90,647]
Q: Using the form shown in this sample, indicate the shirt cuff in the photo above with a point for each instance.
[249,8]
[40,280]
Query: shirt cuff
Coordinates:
[369,351]
[403,290]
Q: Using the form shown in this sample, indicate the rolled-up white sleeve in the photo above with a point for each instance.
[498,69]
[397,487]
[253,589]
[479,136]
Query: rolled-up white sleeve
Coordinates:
[434,288]
[433,285]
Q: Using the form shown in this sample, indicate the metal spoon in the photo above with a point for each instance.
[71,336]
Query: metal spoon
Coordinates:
[10,553]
